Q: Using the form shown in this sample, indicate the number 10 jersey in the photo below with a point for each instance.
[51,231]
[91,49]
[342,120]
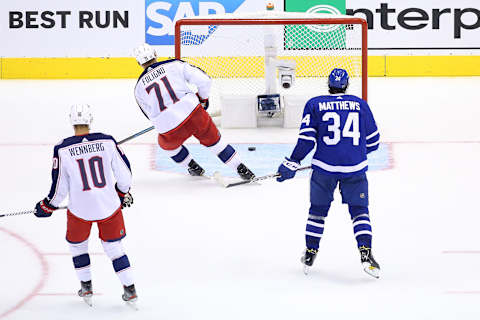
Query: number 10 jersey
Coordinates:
[86,168]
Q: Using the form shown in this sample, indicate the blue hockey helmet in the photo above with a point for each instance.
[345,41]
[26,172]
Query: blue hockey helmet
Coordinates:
[338,80]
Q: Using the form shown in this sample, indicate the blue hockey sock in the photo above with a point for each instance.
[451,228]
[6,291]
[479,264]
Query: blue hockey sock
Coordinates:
[314,231]
[362,228]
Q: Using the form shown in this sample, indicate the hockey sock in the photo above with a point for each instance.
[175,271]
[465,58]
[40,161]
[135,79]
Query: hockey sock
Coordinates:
[314,231]
[180,155]
[81,260]
[226,153]
[362,228]
[120,262]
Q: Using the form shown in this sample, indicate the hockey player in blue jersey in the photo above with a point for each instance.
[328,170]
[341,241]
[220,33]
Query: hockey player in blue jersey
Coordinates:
[343,129]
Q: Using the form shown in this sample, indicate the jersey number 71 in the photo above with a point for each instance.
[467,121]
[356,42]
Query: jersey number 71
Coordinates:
[158,92]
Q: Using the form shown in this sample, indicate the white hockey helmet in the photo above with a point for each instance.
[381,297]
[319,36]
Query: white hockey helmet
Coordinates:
[80,114]
[144,53]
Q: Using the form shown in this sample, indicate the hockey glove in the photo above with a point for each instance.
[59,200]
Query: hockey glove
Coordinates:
[126,199]
[203,102]
[287,169]
[43,209]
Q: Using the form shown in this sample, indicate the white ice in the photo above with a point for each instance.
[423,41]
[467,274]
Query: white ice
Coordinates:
[203,252]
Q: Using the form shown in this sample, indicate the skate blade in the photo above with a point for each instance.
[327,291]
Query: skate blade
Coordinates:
[88,300]
[372,271]
[306,270]
[132,304]
[218,177]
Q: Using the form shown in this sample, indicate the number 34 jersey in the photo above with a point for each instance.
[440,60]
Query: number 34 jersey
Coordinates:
[165,95]
[86,168]
[344,131]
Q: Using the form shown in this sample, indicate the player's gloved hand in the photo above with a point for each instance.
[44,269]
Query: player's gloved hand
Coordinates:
[203,102]
[43,209]
[126,199]
[287,169]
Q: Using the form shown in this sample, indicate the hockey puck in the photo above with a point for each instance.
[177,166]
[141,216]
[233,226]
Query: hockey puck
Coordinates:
[252,148]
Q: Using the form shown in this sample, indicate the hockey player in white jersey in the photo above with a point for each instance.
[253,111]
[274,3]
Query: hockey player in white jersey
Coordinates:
[177,112]
[342,130]
[95,174]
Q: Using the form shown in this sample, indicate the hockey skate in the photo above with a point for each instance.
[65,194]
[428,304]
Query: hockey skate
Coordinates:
[194,169]
[369,264]
[130,296]
[244,172]
[308,258]
[86,291]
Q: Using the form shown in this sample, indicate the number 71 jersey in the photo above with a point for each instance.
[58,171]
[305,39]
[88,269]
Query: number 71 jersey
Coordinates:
[165,95]
[344,130]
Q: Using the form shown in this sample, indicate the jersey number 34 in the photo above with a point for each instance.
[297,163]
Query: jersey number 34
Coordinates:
[351,128]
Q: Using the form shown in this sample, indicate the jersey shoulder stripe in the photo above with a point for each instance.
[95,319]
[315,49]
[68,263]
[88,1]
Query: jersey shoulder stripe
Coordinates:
[79,139]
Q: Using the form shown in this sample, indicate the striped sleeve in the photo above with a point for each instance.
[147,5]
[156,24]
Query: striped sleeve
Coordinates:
[373,136]
[59,189]
[121,168]
[199,78]
[307,135]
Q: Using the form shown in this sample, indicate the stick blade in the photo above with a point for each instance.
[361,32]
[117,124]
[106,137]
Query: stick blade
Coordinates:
[218,177]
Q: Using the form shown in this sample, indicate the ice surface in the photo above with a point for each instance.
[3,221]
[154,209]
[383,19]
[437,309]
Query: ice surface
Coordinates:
[203,252]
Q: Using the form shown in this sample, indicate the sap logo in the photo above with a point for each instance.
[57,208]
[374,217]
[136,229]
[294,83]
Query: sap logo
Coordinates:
[160,16]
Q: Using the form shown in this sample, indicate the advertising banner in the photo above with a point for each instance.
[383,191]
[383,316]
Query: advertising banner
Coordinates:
[160,16]
[110,28]
[316,36]
[68,28]
[420,27]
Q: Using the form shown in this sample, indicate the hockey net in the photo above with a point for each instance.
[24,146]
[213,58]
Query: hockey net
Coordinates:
[232,50]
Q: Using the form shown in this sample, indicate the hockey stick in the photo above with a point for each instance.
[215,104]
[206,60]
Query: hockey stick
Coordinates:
[220,180]
[23,212]
[136,135]
[120,142]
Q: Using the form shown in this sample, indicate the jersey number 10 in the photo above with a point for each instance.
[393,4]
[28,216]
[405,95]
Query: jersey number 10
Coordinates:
[98,179]
[351,129]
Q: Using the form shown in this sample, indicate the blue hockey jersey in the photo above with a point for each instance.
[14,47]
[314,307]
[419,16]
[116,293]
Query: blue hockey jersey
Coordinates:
[343,129]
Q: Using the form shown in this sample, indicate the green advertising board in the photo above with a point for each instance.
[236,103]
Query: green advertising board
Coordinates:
[315,36]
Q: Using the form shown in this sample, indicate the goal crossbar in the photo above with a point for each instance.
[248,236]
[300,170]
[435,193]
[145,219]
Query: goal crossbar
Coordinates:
[288,20]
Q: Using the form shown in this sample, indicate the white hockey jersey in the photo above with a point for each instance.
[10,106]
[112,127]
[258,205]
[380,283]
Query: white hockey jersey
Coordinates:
[165,97]
[86,169]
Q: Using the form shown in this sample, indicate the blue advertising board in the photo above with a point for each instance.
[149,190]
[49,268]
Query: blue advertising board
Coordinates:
[161,15]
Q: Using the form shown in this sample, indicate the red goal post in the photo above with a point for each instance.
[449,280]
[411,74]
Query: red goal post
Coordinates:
[192,52]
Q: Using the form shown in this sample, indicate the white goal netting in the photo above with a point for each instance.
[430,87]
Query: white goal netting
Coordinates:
[234,51]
